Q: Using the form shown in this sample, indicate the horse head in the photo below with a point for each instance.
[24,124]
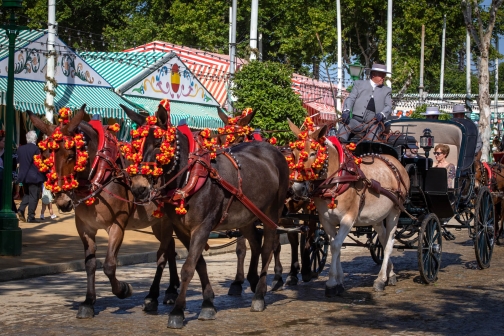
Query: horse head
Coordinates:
[153,151]
[235,129]
[61,158]
[309,159]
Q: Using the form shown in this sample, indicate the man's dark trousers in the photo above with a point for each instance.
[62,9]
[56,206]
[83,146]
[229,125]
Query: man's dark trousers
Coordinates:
[31,197]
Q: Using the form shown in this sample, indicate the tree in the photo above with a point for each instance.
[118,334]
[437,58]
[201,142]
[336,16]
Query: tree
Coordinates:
[266,88]
[481,31]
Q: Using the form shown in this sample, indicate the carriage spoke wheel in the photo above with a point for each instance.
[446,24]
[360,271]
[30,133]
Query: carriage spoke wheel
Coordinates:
[429,248]
[376,249]
[484,228]
[318,250]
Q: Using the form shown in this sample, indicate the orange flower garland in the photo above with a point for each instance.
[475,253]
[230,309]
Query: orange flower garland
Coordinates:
[63,115]
[299,171]
[133,151]
[233,130]
[180,210]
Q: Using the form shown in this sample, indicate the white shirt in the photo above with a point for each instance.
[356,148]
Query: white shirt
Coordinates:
[373,84]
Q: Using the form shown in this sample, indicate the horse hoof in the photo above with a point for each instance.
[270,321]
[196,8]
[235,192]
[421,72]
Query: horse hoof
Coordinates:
[176,319]
[235,289]
[291,280]
[126,291]
[392,281]
[175,322]
[277,284]
[306,277]
[379,286]
[150,305]
[207,313]
[257,305]
[170,297]
[85,311]
[334,291]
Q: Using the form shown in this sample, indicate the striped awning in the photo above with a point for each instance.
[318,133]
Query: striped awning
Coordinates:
[196,116]
[31,96]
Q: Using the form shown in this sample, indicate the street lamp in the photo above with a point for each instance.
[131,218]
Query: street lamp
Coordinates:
[355,70]
[10,233]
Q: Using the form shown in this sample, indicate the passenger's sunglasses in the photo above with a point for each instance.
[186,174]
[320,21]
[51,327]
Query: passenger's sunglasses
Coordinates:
[438,153]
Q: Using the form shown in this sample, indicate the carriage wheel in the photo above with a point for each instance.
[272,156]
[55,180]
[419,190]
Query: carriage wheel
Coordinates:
[429,248]
[484,228]
[376,249]
[318,250]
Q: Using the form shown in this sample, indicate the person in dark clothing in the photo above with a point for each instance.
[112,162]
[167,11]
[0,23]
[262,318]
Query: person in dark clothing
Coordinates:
[14,173]
[30,177]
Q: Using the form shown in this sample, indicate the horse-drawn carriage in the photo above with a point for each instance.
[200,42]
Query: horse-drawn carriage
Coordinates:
[172,179]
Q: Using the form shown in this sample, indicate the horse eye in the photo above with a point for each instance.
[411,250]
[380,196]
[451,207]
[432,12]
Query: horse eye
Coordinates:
[70,157]
[313,154]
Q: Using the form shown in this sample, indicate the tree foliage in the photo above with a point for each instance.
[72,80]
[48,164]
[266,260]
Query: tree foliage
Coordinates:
[266,88]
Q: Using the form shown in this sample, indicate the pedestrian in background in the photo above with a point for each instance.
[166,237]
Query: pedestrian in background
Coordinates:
[30,177]
[47,200]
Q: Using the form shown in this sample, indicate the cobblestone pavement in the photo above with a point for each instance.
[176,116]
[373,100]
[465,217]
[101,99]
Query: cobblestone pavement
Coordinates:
[464,301]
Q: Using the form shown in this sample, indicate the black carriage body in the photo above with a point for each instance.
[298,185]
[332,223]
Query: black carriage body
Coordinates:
[429,192]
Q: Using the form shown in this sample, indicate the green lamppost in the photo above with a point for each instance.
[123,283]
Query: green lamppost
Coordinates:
[355,70]
[10,233]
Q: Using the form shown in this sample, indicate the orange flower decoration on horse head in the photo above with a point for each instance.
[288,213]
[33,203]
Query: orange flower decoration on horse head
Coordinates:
[64,115]
[166,104]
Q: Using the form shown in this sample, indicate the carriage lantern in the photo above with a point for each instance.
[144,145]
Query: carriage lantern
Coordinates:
[427,142]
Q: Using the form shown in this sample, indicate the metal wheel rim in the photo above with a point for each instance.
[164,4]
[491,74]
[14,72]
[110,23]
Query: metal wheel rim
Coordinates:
[318,252]
[484,228]
[376,249]
[430,248]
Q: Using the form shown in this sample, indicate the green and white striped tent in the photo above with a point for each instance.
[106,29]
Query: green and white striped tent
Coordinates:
[127,70]
[78,83]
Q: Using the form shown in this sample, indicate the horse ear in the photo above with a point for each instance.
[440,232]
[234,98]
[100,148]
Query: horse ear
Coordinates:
[163,117]
[223,116]
[319,133]
[293,128]
[135,117]
[74,122]
[47,129]
[246,120]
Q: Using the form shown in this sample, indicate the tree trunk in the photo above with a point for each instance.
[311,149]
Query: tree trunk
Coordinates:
[484,102]
[316,69]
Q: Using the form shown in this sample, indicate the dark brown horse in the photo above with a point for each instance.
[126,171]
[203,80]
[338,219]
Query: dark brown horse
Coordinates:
[113,211]
[257,169]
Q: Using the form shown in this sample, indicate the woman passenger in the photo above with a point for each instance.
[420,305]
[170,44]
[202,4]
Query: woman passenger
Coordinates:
[441,152]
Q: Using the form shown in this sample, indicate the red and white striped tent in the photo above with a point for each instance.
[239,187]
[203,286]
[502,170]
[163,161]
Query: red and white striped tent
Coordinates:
[212,71]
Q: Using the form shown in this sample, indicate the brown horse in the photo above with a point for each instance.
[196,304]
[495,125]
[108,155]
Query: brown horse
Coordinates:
[238,136]
[254,171]
[364,203]
[113,211]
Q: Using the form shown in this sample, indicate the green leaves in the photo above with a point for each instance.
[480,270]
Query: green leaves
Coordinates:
[266,88]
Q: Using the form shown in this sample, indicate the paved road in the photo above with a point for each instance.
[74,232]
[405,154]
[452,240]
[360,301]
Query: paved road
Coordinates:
[465,301]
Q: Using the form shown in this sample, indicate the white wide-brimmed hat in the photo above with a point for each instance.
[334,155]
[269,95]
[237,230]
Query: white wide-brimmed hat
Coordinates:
[431,110]
[379,68]
[459,108]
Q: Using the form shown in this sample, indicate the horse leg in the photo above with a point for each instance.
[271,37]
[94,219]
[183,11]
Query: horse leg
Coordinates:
[254,239]
[86,308]
[334,286]
[387,241]
[241,252]
[121,289]
[163,233]
[195,261]
[277,283]
[292,278]
[306,270]
[270,237]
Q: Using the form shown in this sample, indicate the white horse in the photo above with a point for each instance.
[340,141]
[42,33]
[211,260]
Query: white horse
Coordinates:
[364,203]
